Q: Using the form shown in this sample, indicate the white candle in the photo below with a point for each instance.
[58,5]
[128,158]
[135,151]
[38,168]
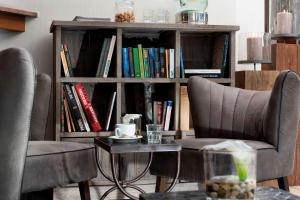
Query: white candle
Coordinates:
[284,22]
[254,48]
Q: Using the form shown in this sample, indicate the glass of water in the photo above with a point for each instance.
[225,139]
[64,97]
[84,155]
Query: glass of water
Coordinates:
[154,132]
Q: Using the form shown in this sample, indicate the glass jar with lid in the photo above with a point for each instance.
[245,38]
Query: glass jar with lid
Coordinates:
[124,11]
[191,11]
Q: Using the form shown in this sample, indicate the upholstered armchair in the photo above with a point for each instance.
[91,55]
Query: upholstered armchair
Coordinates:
[266,120]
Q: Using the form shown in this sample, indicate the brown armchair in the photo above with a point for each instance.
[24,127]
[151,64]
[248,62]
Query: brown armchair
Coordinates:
[266,120]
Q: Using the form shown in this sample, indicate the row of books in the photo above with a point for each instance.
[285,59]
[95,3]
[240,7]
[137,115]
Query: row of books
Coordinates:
[162,111]
[139,62]
[78,114]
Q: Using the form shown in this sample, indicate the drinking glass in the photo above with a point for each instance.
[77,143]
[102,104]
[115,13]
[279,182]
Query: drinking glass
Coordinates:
[148,16]
[154,133]
[162,16]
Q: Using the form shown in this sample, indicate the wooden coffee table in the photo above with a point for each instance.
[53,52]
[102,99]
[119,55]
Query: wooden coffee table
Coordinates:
[114,149]
[261,193]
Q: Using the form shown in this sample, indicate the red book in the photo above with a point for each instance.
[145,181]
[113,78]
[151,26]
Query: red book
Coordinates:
[87,107]
[159,112]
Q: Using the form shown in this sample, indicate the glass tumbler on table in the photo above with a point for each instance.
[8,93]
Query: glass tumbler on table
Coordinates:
[154,133]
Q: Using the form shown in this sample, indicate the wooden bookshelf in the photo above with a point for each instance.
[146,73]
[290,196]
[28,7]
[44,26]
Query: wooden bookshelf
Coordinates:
[130,91]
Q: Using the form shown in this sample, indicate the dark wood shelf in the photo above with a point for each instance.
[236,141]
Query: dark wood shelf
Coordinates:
[13,19]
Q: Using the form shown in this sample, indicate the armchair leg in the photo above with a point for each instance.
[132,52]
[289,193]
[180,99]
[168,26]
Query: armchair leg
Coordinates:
[161,184]
[283,183]
[84,190]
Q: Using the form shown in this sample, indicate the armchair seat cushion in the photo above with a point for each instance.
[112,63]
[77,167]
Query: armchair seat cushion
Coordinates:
[192,168]
[50,164]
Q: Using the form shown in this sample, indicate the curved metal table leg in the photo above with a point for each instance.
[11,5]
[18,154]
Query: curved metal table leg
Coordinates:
[100,167]
[108,191]
[177,174]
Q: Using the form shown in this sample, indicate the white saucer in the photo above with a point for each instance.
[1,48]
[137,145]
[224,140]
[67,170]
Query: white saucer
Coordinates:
[118,139]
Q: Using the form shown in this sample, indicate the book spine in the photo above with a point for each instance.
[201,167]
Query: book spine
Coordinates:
[131,66]
[152,62]
[167,62]
[68,59]
[136,62]
[85,122]
[172,63]
[184,109]
[164,113]
[62,111]
[141,59]
[64,63]
[146,62]
[104,46]
[159,112]
[109,56]
[87,106]
[68,115]
[225,56]
[148,103]
[162,62]
[157,63]
[181,64]
[126,71]
[106,51]
[154,112]
[168,115]
[203,71]
[79,124]
[110,110]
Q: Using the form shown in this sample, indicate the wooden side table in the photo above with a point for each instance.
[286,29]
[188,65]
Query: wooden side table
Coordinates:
[115,149]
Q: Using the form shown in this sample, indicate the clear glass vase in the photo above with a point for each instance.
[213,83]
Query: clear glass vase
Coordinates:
[230,175]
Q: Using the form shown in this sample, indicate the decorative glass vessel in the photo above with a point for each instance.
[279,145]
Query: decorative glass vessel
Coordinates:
[230,175]
[124,11]
[191,11]
[285,16]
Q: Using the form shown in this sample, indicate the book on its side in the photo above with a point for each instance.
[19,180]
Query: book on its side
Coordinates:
[110,110]
[88,108]
[101,60]
[184,109]
[162,62]
[125,63]
[181,64]
[131,65]
[64,63]
[68,59]
[148,90]
[172,63]
[109,56]
[164,113]
[74,109]
[202,71]
[85,122]
[136,63]
[159,112]
[146,62]
[157,62]
[141,59]
[167,62]
[168,115]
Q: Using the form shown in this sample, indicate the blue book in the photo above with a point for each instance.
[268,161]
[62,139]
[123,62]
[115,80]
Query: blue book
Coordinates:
[157,62]
[152,62]
[181,64]
[126,68]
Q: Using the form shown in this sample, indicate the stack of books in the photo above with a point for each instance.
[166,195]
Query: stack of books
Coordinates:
[139,62]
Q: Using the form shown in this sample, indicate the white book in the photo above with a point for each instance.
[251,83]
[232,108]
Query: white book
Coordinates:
[168,115]
[202,71]
[109,56]
[85,122]
[109,113]
[172,63]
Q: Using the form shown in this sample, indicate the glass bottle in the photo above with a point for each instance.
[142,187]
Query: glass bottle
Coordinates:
[124,11]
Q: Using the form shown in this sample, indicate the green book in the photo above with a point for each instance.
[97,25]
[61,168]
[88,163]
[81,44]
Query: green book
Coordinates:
[146,63]
[141,58]
[136,63]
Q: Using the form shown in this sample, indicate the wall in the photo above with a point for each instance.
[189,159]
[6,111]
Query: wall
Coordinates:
[38,40]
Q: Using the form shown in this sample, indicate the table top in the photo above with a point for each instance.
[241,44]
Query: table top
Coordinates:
[138,147]
[261,193]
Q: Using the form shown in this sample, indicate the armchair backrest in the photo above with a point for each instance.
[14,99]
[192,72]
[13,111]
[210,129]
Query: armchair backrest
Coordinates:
[225,112]
[17,75]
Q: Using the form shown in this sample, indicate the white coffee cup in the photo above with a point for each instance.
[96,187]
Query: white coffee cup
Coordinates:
[125,130]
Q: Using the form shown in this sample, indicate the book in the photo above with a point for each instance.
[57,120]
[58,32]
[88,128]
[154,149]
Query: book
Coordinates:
[152,62]
[125,63]
[146,63]
[64,63]
[162,62]
[168,115]
[167,59]
[148,90]
[202,71]
[110,110]
[159,112]
[157,62]
[154,112]
[164,113]
[131,65]
[84,19]
[101,60]
[184,109]
[108,41]
[62,111]
[74,109]
[67,114]
[85,122]
[141,59]
[87,107]
[68,59]
[172,63]
[181,64]
[136,63]
[109,56]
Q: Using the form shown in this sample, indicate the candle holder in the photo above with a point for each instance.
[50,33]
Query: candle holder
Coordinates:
[254,48]
[285,18]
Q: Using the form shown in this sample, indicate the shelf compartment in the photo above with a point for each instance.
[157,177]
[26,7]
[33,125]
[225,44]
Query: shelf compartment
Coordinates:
[105,134]
[216,80]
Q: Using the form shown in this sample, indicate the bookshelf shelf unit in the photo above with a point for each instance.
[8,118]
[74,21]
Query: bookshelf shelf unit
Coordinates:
[175,36]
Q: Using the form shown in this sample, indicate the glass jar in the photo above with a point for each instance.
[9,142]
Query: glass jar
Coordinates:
[230,175]
[191,11]
[284,17]
[125,11]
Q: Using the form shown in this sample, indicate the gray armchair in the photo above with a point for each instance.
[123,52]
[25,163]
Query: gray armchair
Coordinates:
[267,121]
[17,76]
[51,164]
